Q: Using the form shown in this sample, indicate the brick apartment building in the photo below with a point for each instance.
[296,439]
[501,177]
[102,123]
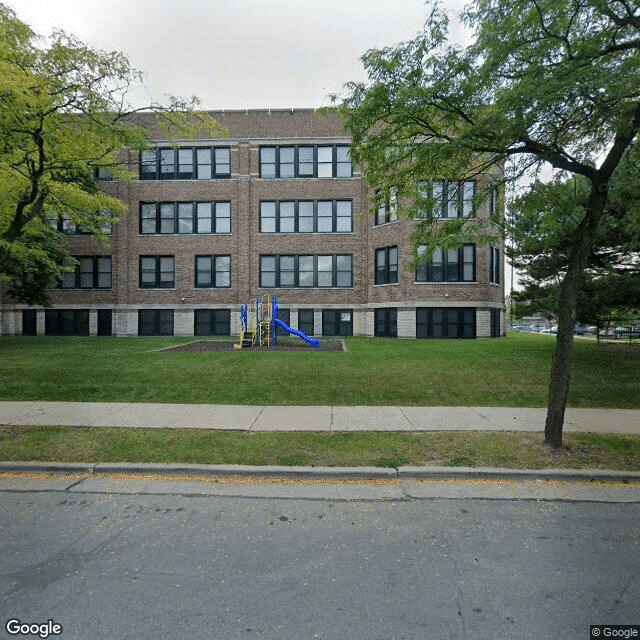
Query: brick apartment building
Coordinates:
[275,208]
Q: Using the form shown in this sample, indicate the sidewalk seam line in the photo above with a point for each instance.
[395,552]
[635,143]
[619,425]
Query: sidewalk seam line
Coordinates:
[253,424]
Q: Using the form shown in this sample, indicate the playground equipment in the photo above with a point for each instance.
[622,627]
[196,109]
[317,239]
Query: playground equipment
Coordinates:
[258,321]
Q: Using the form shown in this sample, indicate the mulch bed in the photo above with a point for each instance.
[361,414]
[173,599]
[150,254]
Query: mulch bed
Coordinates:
[632,349]
[220,346]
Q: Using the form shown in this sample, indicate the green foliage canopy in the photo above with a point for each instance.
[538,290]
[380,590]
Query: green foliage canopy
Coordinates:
[552,83]
[65,114]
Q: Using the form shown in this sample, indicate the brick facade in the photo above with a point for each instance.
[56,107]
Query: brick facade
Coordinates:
[245,189]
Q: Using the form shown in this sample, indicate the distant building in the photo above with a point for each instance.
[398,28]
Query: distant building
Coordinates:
[275,207]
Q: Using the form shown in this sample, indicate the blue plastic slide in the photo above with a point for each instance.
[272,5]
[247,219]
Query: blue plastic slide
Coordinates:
[314,342]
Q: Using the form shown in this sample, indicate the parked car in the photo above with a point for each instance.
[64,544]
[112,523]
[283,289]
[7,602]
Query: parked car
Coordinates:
[627,332]
[582,330]
[552,330]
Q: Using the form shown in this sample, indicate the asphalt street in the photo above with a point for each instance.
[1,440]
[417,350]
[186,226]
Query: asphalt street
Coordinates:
[124,562]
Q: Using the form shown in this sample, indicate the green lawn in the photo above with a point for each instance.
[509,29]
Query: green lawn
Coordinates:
[521,450]
[512,371]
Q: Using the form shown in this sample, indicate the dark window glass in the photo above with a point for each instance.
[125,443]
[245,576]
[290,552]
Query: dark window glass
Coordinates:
[386,323]
[305,321]
[212,322]
[155,322]
[156,272]
[448,323]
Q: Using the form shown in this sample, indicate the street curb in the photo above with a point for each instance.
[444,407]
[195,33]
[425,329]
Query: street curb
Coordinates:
[441,473]
[319,473]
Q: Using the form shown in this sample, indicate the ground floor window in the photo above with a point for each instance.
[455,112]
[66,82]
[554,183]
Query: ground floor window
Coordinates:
[155,322]
[29,322]
[285,316]
[337,322]
[66,322]
[385,323]
[105,322]
[496,327]
[445,323]
[305,321]
[212,322]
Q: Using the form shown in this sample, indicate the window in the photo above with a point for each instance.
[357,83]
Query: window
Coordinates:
[92,272]
[306,271]
[449,199]
[155,322]
[337,322]
[387,206]
[305,321]
[64,225]
[212,322]
[445,323]
[285,316]
[493,202]
[186,163]
[213,271]
[494,265]
[449,265]
[306,216]
[185,217]
[66,322]
[305,161]
[29,322]
[157,272]
[385,323]
[105,322]
[387,265]
[495,325]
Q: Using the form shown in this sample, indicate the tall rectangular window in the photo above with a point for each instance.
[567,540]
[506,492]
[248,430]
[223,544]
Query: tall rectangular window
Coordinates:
[387,206]
[185,164]
[494,265]
[157,272]
[387,265]
[305,321]
[451,265]
[385,323]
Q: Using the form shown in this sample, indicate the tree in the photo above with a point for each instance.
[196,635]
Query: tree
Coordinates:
[66,114]
[544,82]
[541,225]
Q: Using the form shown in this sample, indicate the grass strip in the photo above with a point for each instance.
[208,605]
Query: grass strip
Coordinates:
[509,449]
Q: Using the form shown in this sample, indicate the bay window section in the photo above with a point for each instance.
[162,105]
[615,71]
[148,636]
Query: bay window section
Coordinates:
[449,198]
[387,265]
[451,265]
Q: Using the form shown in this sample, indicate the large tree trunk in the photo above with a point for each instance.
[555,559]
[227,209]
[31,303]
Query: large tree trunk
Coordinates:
[569,289]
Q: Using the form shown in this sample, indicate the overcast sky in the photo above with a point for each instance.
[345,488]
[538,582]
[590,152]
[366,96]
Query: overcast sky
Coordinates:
[236,54]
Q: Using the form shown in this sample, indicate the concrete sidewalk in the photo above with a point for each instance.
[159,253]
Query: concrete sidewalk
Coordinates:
[302,418]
